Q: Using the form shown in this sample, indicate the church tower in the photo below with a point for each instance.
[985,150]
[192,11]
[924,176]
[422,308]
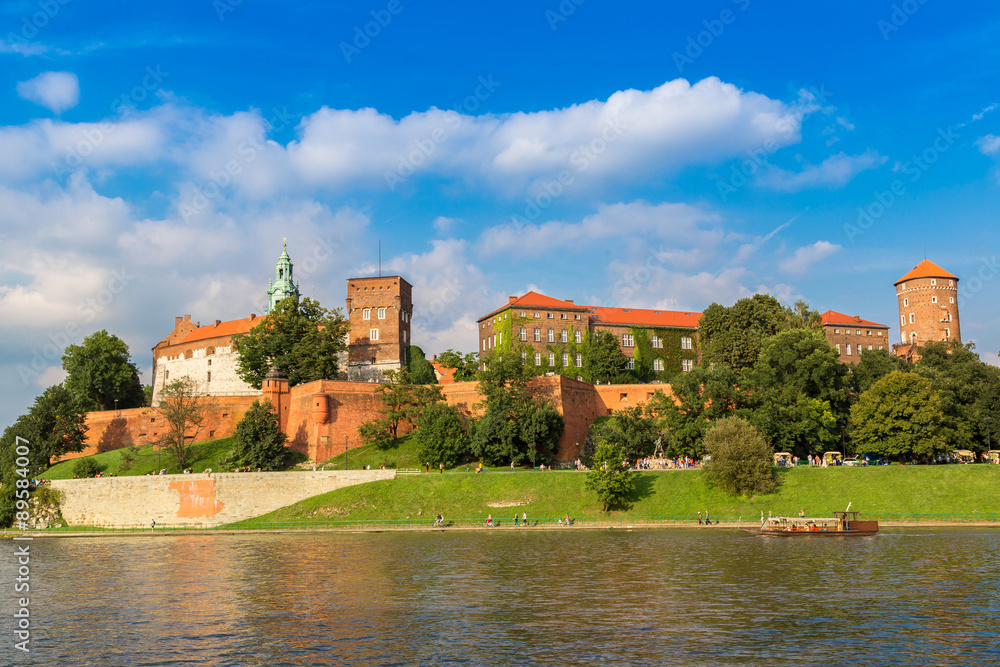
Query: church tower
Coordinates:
[928,305]
[282,285]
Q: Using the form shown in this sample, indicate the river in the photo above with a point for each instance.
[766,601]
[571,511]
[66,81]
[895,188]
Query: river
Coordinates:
[501,597]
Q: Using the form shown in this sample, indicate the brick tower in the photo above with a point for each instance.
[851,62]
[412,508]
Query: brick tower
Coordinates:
[380,310]
[928,306]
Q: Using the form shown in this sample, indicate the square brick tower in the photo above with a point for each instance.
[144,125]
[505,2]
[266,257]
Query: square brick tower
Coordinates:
[380,310]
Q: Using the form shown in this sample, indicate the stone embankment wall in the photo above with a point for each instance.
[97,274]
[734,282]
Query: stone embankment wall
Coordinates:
[214,499]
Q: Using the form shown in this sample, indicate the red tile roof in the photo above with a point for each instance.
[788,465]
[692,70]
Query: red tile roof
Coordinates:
[644,317]
[833,317]
[535,300]
[926,269]
[221,329]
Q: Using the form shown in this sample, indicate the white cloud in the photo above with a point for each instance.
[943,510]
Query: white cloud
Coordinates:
[988,145]
[835,171]
[443,225]
[22,47]
[56,91]
[806,256]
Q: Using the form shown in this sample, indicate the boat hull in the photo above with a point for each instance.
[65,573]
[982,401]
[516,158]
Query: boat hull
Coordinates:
[810,533]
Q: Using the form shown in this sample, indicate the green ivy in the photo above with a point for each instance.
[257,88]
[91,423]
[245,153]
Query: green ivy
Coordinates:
[670,353]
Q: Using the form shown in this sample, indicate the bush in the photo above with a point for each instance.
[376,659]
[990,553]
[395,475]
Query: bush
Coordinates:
[86,467]
[610,476]
[741,460]
[259,442]
[441,436]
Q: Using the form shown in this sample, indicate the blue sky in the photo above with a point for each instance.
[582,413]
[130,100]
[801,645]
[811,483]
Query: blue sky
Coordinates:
[647,154]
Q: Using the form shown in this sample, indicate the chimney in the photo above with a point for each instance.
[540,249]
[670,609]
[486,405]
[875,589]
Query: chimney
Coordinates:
[511,299]
[218,322]
[187,318]
[253,316]
[569,301]
[178,320]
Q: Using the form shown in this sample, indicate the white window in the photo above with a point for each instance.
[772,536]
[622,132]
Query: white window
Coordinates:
[366,314]
[564,336]
[912,318]
[933,281]
[902,287]
[858,332]
[381,313]
[879,333]
[906,302]
[562,316]
[373,334]
[579,360]
[550,316]
[902,319]
[631,364]
[947,334]
[656,341]
[552,358]
[951,299]
[687,365]
[405,336]
[848,349]
[951,283]
[552,336]
[538,335]
[524,334]
[577,337]
[836,331]
[686,342]
[565,359]
[933,299]
[657,364]
[521,313]
[538,358]
[881,347]
[484,344]
[500,338]
[838,348]
[524,357]
[627,340]
[869,347]
[535,315]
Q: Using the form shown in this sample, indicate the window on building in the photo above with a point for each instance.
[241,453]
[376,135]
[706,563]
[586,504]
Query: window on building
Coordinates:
[552,359]
[906,302]
[837,346]
[373,334]
[579,360]
[947,334]
[538,335]
[858,332]
[951,299]
[550,316]
[631,363]
[627,340]
[538,358]
[366,314]
[687,365]
[521,314]
[868,332]
[577,316]
[686,342]
[848,349]
[500,338]
[836,331]
[562,316]
[381,313]
[933,281]
[563,336]
[902,319]
[209,377]
[523,335]
[524,357]
[655,340]
[577,336]
[565,359]
[536,315]
[869,347]
[912,318]
[933,299]
[902,287]
[657,364]
[552,335]
[484,345]
[951,283]
[405,337]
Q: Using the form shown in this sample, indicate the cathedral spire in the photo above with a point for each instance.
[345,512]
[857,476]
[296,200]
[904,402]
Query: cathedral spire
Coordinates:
[282,286]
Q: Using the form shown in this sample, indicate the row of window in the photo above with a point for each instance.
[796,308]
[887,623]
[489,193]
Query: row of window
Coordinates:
[366,314]
[951,283]
[537,315]
[857,332]
[848,349]
[686,364]
[906,302]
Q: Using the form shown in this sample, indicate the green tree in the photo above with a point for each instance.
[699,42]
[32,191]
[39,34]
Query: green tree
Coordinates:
[258,441]
[604,360]
[698,398]
[741,460]
[54,424]
[899,416]
[632,429]
[301,338]
[85,467]
[800,316]
[183,410]
[100,371]
[609,476]
[466,366]
[402,402]
[734,336]
[115,436]
[421,371]
[797,394]
[873,366]
[442,435]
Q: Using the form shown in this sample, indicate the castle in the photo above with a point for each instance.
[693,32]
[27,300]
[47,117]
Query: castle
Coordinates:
[928,308]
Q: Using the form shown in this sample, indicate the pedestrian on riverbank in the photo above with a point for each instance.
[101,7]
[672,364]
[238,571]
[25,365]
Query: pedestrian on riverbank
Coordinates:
[699,518]
[515,518]
[489,520]
[524,518]
[708,522]
[152,525]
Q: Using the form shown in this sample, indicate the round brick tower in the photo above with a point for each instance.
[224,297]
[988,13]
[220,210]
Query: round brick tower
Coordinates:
[928,305]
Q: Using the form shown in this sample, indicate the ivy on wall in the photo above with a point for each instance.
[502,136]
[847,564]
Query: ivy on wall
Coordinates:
[670,351]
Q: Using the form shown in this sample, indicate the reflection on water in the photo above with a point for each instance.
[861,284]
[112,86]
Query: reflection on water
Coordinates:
[579,597]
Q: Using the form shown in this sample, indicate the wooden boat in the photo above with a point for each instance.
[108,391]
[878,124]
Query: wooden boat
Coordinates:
[843,524]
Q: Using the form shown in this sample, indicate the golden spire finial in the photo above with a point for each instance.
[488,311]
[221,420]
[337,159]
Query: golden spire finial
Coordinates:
[284,241]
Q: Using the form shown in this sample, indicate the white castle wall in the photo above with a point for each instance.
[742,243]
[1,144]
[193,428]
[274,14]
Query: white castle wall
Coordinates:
[222,365]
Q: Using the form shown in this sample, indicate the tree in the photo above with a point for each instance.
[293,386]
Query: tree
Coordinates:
[734,336]
[184,411]
[632,429]
[258,441]
[899,416]
[54,424]
[402,402]
[85,467]
[800,316]
[873,366]
[610,477]
[421,371]
[796,391]
[100,371]
[301,338]
[466,367]
[442,435]
[741,460]
[699,398]
[604,361]
[115,436]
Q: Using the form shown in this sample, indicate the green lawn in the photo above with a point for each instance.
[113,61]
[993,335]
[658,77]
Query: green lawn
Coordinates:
[955,489]
[403,454]
[205,455]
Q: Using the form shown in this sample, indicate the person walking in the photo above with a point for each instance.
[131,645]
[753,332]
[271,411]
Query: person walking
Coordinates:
[524,518]
[152,525]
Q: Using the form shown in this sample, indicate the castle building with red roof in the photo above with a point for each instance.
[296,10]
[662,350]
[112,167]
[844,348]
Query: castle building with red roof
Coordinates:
[850,335]
[928,308]
[552,334]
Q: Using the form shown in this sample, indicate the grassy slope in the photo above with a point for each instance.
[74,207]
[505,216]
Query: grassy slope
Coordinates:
[402,455]
[886,490]
[205,455]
